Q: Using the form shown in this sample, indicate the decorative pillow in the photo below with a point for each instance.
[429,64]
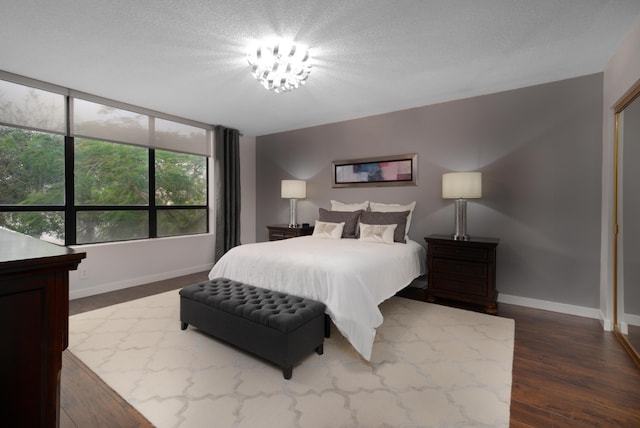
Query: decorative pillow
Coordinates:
[340,206]
[399,218]
[328,230]
[375,206]
[350,219]
[380,233]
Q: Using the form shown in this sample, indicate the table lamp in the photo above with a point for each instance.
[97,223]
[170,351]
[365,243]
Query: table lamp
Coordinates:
[461,186]
[294,190]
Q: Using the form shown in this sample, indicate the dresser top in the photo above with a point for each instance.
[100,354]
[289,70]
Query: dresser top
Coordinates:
[18,251]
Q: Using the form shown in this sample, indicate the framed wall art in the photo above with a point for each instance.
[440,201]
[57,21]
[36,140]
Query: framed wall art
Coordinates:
[401,170]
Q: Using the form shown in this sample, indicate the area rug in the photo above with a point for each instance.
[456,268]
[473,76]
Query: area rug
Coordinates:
[432,366]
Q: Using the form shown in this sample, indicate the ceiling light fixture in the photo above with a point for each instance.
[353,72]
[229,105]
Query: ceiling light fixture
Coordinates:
[281,66]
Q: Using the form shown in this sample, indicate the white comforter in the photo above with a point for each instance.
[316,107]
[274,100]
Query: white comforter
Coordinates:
[349,276]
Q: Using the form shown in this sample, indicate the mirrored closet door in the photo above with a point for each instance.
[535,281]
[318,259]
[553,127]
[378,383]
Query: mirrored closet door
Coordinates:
[627,200]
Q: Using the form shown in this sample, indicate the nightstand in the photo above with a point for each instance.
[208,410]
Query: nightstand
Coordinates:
[283,231]
[462,271]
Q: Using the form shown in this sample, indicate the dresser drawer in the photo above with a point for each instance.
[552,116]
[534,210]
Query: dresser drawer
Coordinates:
[458,252]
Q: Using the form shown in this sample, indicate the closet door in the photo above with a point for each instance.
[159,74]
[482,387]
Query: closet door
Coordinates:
[628,221]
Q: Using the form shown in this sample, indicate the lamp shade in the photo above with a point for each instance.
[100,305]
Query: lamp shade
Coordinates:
[293,189]
[466,185]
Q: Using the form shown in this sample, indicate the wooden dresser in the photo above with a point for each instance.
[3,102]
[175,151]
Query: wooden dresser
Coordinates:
[34,318]
[283,231]
[462,271]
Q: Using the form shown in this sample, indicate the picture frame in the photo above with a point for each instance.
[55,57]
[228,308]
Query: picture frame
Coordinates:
[400,170]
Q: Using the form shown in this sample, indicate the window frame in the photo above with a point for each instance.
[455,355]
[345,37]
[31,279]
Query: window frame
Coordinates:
[70,210]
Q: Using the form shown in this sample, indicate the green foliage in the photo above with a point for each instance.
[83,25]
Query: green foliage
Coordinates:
[110,173]
[32,173]
[47,224]
[181,179]
[103,226]
[32,165]
[181,222]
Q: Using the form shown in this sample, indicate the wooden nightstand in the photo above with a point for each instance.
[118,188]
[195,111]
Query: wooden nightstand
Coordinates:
[463,271]
[283,231]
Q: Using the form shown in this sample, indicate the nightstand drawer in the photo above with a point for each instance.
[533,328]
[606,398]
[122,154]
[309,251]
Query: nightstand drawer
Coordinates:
[278,232]
[275,235]
[467,286]
[480,254]
[460,268]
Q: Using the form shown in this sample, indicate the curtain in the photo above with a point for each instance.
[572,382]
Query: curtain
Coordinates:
[226,189]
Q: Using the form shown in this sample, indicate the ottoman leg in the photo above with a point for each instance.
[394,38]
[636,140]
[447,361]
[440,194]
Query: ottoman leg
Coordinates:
[320,349]
[184,326]
[327,326]
[287,372]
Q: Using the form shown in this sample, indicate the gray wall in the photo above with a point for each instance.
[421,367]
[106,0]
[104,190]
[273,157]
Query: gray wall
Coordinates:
[539,149]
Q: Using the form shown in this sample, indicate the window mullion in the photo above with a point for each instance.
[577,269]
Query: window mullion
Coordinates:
[69,192]
[153,212]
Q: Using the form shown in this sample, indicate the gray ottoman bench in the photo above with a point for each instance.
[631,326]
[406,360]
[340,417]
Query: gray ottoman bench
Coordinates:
[275,326]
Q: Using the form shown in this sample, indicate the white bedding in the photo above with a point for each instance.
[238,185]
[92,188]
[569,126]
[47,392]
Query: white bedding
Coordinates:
[349,276]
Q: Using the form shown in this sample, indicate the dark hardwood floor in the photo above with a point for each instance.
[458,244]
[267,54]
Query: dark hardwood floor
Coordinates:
[85,400]
[567,372]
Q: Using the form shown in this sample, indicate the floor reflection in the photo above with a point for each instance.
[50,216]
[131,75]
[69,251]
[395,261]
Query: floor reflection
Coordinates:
[634,337]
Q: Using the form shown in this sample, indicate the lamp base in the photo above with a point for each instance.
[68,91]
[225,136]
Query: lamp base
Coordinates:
[292,213]
[460,237]
[460,233]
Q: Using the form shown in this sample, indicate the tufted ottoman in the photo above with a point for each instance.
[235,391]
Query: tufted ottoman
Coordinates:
[275,326]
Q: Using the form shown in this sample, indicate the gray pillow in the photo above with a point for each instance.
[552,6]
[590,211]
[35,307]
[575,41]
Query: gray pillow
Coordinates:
[399,218]
[350,219]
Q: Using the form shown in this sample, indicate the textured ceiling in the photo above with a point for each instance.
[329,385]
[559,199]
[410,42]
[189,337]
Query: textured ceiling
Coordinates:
[188,58]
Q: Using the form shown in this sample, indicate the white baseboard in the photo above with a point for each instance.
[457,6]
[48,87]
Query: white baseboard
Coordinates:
[113,286]
[630,319]
[607,324]
[551,306]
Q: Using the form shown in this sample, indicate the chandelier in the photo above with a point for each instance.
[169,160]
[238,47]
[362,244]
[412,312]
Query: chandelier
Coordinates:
[281,66]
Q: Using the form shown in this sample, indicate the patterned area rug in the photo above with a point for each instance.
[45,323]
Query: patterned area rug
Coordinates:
[432,366]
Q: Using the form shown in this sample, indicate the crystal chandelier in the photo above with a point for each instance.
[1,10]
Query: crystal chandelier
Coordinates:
[280,66]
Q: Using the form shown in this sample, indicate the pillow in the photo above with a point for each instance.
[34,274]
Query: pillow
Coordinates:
[375,206]
[350,219]
[399,218]
[340,206]
[328,230]
[380,233]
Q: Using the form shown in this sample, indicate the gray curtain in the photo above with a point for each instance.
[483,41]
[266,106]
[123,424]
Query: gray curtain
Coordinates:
[226,189]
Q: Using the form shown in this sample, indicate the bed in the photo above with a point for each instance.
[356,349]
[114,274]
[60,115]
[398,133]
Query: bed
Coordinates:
[350,276]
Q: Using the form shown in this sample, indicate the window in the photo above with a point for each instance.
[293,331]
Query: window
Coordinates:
[118,174]
[32,108]
[181,193]
[32,165]
[109,123]
[32,162]
[115,225]
[110,173]
[107,176]
[32,178]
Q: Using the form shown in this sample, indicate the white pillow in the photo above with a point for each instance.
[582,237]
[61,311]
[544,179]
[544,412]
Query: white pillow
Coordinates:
[328,230]
[380,233]
[387,208]
[341,206]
